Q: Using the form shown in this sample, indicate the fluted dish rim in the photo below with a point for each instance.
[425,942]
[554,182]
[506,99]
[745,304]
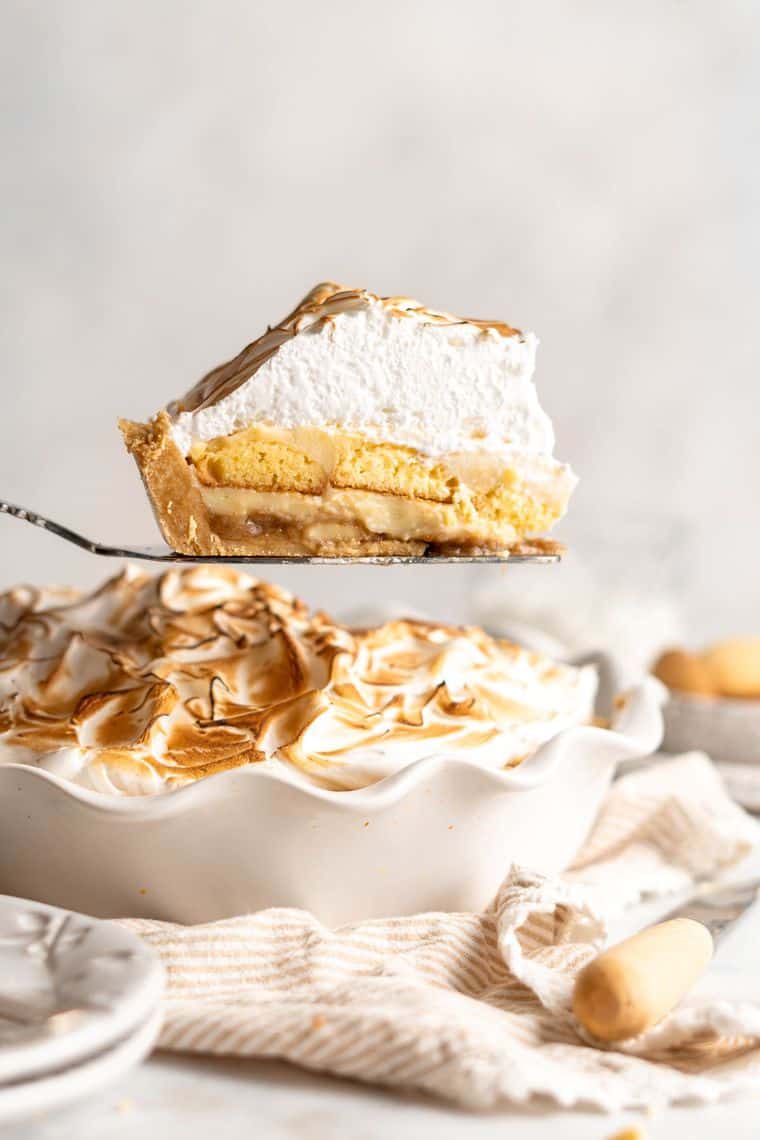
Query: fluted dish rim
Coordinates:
[635,730]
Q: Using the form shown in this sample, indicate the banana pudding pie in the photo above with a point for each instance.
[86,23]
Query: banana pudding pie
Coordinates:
[149,683]
[358,425]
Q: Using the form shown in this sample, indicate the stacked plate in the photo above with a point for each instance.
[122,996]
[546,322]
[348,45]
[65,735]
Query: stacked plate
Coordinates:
[79,1006]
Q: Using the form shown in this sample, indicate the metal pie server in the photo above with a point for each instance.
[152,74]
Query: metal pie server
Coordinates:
[536,551]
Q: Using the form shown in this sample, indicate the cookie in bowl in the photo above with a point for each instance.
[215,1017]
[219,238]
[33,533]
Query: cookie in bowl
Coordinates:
[714,702]
[358,425]
[200,744]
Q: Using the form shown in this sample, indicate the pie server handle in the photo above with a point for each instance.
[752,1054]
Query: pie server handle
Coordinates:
[630,987]
[633,985]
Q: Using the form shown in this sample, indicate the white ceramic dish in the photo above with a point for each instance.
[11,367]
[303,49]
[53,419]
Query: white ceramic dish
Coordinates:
[438,835]
[727,728]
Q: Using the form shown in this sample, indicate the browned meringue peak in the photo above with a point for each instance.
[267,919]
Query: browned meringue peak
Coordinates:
[183,670]
[149,683]
[320,305]
[414,689]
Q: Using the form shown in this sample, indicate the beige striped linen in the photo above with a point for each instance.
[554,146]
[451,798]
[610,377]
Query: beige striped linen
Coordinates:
[475,1008]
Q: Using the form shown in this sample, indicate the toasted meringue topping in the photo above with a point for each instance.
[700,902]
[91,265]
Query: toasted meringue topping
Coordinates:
[386,368]
[318,309]
[150,683]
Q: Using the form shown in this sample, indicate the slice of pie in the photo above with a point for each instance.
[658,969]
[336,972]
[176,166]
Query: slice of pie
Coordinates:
[359,425]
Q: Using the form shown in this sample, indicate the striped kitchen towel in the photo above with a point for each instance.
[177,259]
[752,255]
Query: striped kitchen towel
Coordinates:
[475,1008]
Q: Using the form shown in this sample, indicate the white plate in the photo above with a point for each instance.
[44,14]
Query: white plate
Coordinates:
[56,1090]
[70,988]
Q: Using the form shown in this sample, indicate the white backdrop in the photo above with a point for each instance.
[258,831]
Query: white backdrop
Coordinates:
[176,174]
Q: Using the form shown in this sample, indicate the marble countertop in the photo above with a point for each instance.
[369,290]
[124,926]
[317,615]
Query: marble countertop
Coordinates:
[196,1097]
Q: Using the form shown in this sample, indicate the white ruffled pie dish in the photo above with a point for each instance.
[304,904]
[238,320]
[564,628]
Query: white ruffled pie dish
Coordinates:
[437,835]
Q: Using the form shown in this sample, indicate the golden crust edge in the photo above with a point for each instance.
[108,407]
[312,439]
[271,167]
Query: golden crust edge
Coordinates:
[176,501]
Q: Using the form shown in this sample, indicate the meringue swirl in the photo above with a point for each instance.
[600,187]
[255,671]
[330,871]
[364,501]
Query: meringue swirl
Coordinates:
[320,307]
[387,369]
[149,683]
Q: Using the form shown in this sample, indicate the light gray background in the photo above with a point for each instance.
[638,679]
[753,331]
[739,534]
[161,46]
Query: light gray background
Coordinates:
[176,174]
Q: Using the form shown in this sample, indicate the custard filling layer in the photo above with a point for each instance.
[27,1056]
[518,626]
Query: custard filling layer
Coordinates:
[365,512]
[306,478]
